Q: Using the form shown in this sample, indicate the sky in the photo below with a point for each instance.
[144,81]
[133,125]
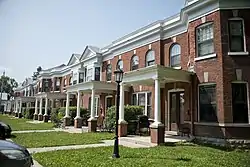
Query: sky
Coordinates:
[46,32]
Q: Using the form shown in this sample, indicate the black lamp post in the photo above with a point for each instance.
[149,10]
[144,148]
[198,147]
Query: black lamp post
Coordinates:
[118,79]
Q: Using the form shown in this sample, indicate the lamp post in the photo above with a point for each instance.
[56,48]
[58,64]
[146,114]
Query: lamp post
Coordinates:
[1,93]
[118,79]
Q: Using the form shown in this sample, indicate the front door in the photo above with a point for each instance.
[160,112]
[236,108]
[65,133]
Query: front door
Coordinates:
[176,108]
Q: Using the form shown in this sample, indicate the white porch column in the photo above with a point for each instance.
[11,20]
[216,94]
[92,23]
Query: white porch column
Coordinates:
[20,109]
[67,106]
[78,104]
[41,106]
[157,109]
[16,110]
[93,103]
[46,107]
[121,106]
[36,107]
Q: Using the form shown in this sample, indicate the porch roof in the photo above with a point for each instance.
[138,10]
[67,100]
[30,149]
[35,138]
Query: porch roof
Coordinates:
[51,95]
[26,99]
[147,75]
[98,86]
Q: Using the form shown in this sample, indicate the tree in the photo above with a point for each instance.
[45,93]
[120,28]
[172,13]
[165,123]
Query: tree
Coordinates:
[8,84]
[35,74]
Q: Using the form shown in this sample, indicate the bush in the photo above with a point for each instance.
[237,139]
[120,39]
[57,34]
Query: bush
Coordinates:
[54,115]
[130,113]
[29,113]
[72,113]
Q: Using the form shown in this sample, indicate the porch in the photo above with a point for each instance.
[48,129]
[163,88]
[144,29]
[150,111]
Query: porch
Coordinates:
[18,104]
[94,88]
[169,87]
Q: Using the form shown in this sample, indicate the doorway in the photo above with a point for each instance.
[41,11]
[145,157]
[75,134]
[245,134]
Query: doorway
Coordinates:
[176,109]
[109,102]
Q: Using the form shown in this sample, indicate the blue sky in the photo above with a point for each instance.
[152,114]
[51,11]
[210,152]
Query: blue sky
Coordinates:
[47,32]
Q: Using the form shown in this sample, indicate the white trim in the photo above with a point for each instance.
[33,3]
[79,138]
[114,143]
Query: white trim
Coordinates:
[243,28]
[168,107]
[198,100]
[248,97]
[177,68]
[238,53]
[106,97]
[205,57]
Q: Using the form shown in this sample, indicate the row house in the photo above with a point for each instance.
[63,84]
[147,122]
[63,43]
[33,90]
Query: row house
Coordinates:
[187,70]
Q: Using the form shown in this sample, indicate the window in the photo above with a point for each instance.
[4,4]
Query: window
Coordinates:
[96,105]
[207,103]
[109,72]
[90,73]
[119,65]
[175,55]
[65,82]
[134,62]
[58,81]
[70,80]
[236,35]
[239,103]
[143,99]
[205,39]
[150,58]
[97,73]
[81,77]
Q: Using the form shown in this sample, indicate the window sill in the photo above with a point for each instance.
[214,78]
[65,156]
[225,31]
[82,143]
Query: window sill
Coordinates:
[205,57]
[238,53]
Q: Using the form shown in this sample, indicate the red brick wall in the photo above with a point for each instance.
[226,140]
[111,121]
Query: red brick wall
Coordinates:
[231,63]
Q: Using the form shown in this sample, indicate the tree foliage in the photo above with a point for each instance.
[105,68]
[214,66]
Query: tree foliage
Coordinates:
[35,74]
[8,84]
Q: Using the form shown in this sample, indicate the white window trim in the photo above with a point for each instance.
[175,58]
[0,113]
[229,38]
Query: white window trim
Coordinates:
[196,40]
[146,64]
[244,36]
[146,100]
[106,97]
[168,108]
[202,84]
[171,55]
[248,97]
[205,57]
[238,53]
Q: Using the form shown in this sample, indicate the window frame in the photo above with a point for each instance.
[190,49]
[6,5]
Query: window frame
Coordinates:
[171,55]
[109,73]
[216,100]
[120,60]
[196,39]
[148,63]
[147,103]
[243,34]
[134,67]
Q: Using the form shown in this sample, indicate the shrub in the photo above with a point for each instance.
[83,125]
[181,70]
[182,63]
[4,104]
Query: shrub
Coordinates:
[130,113]
[72,113]
[54,115]
[29,113]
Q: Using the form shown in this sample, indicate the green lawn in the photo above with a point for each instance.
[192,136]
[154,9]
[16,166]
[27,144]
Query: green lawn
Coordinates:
[22,124]
[182,156]
[47,139]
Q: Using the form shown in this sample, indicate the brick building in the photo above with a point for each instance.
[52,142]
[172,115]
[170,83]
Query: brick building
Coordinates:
[189,69]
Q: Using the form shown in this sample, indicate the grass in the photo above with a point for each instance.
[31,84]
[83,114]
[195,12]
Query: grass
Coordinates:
[164,156]
[48,139]
[22,124]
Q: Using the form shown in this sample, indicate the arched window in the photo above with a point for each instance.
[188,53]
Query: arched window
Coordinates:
[119,65]
[109,72]
[70,80]
[134,64]
[175,55]
[150,58]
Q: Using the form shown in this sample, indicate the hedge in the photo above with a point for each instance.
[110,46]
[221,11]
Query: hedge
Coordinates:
[130,113]
[84,113]
[29,113]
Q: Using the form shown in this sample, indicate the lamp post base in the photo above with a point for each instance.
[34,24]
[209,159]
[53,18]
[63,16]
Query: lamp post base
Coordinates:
[116,156]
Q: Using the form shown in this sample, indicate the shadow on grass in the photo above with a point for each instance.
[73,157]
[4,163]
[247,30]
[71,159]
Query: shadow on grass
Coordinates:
[183,159]
[12,136]
[198,143]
